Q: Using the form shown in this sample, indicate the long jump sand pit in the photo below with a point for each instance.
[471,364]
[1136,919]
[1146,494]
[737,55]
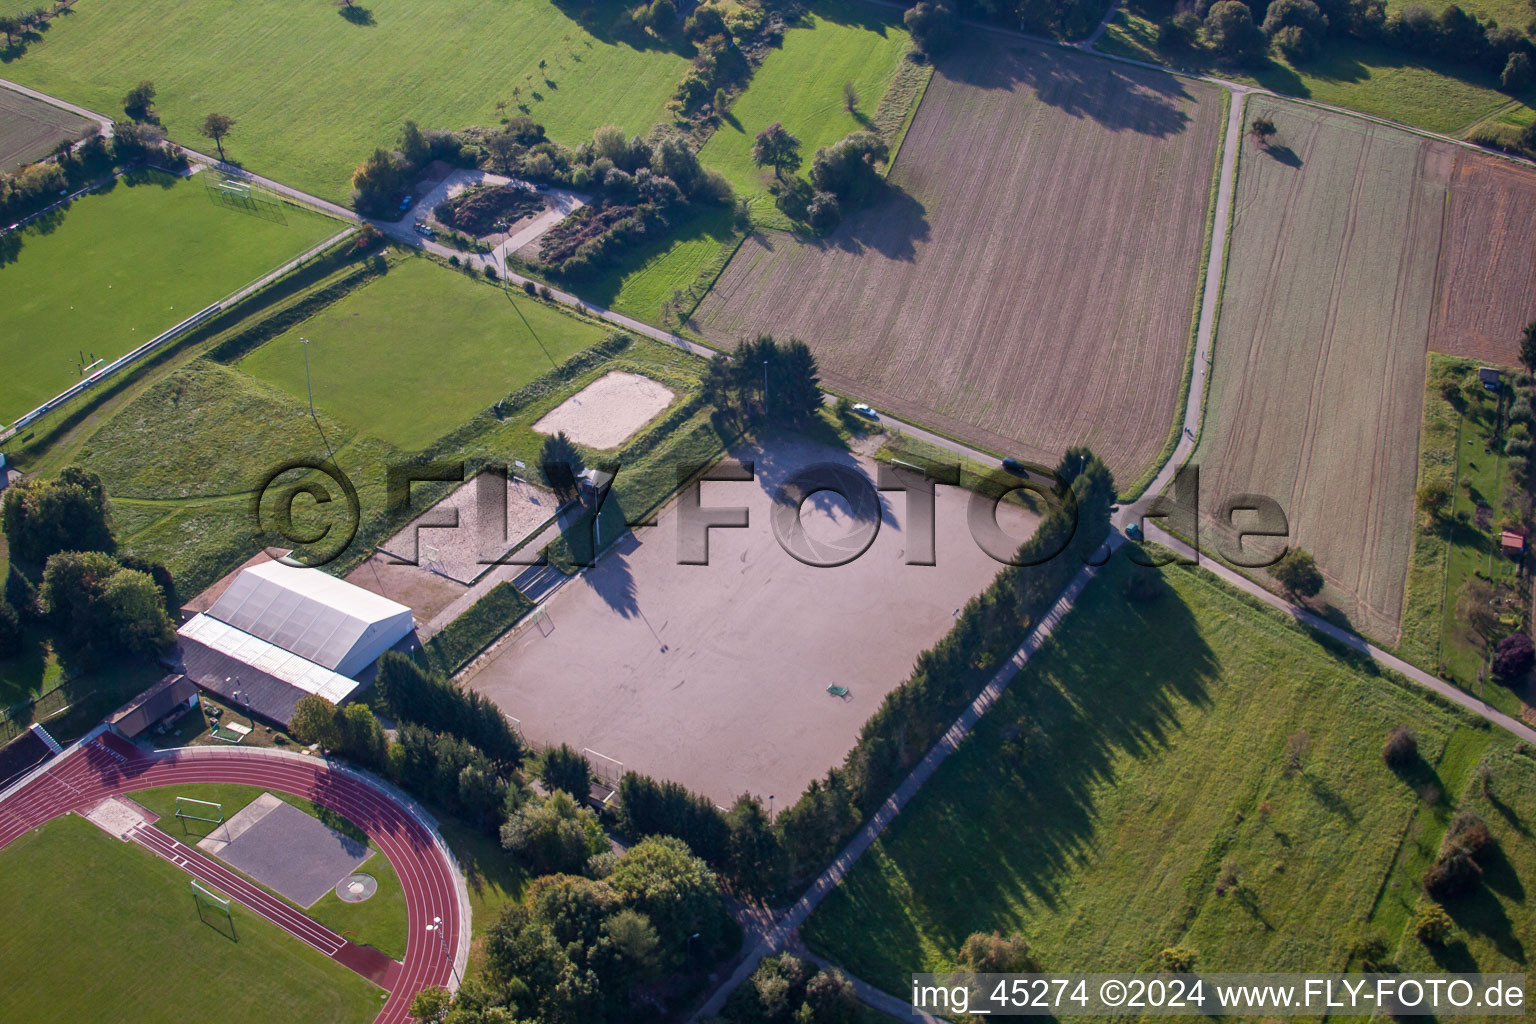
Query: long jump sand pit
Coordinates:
[609,411]
[716,676]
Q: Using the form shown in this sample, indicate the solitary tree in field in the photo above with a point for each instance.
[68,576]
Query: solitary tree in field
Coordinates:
[216,126]
[850,97]
[10,26]
[560,463]
[1528,347]
[1297,572]
[1262,129]
[778,149]
[139,100]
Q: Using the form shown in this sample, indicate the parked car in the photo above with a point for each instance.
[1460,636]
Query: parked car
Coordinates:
[865,411]
[405,204]
[1016,467]
[1133,531]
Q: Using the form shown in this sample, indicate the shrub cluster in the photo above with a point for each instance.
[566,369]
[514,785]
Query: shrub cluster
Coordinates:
[641,189]
[1244,31]
[1457,870]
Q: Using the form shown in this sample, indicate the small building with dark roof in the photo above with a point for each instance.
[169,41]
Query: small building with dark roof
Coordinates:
[1491,379]
[170,693]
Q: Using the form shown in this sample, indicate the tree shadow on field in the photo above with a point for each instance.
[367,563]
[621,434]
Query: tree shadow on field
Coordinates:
[1118,97]
[10,247]
[1283,154]
[892,227]
[357,15]
[786,456]
[1018,811]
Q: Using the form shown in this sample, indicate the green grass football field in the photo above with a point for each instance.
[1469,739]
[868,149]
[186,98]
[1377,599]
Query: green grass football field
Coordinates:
[116,268]
[379,921]
[801,86]
[410,356]
[103,932]
[1142,749]
[313,93]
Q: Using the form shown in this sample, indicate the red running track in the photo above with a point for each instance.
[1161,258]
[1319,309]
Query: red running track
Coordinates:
[109,766]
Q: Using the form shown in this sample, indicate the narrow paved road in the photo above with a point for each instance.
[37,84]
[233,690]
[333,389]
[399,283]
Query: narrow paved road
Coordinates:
[1354,641]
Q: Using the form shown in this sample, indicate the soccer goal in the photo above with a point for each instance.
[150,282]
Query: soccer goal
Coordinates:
[199,810]
[205,897]
[605,769]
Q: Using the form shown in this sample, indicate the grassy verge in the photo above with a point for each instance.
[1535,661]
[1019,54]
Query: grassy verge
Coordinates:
[1074,810]
[378,922]
[111,899]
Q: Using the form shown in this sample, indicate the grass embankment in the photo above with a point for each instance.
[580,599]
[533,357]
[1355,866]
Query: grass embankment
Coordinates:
[480,62]
[800,85]
[378,921]
[644,280]
[116,267]
[449,650]
[1441,96]
[137,950]
[1084,814]
[1461,447]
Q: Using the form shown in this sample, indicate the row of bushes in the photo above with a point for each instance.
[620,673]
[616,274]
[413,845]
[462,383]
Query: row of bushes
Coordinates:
[429,699]
[1243,31]
[32,188]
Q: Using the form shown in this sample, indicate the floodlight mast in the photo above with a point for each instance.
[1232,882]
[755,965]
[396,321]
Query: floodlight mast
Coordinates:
[437,926]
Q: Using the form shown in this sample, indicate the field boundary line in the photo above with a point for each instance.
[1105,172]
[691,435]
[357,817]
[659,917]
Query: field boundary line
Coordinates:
[783,929]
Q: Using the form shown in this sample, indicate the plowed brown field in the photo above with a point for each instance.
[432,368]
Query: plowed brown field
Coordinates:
[1029,283]
[1487,281]
[1355,248]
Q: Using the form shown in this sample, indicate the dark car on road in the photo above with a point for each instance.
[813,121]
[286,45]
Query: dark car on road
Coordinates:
[1016,467]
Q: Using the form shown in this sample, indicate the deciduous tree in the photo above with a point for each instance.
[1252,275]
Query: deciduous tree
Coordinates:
[217,126]
[777,148]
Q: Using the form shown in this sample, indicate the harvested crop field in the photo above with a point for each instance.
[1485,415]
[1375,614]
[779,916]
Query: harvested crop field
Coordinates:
[1029,282]
[1487,278]
[30,129]
[609,411]
[1355,248]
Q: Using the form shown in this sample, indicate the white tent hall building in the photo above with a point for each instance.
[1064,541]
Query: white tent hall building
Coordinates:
[279,632]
